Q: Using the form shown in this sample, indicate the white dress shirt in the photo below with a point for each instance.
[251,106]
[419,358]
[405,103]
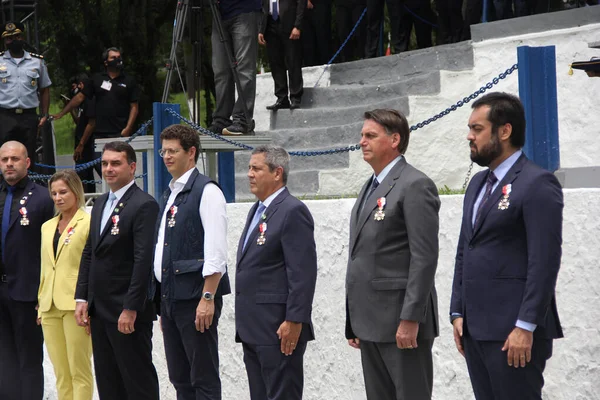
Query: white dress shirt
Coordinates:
[213,215]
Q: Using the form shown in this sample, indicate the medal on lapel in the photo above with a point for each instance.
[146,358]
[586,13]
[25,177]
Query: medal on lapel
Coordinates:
[23,209]
[262,228]
[505,201]
[173,211]
[70,233]
[24,219]
[115,228]
[380,214]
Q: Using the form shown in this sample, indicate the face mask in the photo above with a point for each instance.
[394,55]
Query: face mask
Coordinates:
[16,46]
[74,92]
[116,63]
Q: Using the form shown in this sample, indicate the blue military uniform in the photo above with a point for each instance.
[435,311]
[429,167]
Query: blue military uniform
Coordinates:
[21,80]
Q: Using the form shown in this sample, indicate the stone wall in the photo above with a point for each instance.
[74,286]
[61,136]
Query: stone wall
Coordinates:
[332,368]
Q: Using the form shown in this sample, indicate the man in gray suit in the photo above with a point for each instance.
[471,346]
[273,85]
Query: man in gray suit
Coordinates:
[391,302]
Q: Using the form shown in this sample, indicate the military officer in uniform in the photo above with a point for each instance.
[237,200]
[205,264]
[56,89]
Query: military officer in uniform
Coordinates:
[24,85]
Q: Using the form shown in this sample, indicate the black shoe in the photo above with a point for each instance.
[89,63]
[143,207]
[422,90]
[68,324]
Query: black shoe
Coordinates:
[216,128]
[279,105]
[238,128]
[294,104]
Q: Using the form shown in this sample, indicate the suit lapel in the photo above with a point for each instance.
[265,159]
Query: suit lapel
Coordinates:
[121,204]
[240,249]
[63,236]
[492,202]
[50,231]
[382,191]
[471,197]
[269,212]
[29,188]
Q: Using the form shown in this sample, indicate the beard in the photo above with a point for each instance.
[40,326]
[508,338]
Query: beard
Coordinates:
[486,154]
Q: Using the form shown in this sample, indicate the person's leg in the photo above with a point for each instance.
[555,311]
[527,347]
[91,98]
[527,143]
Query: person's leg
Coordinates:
[56,344]
[29,340]
[79,353]
[224,84]
[478,372]
[108,379]
[8,373]
[322,24]
[378,382]
[256,382]
[283,375]
[293,64]
[374,21]
[276,55]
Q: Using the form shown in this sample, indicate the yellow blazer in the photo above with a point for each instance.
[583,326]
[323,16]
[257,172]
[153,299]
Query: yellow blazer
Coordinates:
[59,273]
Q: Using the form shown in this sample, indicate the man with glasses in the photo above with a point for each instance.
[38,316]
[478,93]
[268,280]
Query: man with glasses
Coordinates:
[190,267]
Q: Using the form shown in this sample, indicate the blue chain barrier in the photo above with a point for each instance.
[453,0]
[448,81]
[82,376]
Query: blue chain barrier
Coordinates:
[411,12]
[311,153]
[342,46]
[40,177]
[89,164]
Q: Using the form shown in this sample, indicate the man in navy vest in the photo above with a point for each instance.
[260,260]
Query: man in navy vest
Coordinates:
[503,306]
[190,267]
[25,207]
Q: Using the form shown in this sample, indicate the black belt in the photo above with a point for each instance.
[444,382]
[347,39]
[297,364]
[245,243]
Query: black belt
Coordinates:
[3,278]
[18,110]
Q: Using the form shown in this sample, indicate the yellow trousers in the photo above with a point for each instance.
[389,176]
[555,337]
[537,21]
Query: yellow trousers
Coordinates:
[70,350]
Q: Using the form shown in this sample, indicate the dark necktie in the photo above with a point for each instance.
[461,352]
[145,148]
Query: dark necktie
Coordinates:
[6,215]
[374,185]
[275,13]
[490,182]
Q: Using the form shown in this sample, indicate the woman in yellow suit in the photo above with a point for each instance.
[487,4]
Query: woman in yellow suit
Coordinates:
[63,239]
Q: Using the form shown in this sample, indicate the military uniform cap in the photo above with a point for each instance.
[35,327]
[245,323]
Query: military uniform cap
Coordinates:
[13,28]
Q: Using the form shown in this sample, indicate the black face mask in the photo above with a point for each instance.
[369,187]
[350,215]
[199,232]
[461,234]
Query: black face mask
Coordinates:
[116,63]
[74,92]
[16,46]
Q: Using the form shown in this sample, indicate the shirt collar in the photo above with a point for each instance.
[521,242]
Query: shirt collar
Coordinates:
[502,169]
[26,54]
[384,172]
[270,199]
[182,180]
[119,193]
[19,185]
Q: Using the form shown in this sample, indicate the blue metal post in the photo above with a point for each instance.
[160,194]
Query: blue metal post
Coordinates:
[537,90]
[227,175]
[162,119]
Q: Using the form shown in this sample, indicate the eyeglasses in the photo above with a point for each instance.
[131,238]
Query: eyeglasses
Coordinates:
[168,152]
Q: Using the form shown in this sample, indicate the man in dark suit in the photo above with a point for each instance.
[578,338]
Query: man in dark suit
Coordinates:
[25,207]
[190,267]
[114,275]
[503,305]
[391,301]
[275,281]
[279,30]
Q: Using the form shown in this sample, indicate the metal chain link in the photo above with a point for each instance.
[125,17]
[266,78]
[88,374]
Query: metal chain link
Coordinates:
[40,177]
[312,153]
[464,186]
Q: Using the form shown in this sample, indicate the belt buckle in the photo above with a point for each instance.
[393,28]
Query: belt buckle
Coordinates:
[18,111]
[3,278]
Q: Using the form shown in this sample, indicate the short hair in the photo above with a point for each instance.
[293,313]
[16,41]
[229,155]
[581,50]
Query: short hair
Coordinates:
[393,121]
[121,147]
[73,182]
[187,137]
[275,157]
[106,51]
[505,108]
[82,77]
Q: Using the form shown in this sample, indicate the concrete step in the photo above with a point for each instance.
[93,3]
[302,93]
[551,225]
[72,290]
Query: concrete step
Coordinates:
[330,116]
[421,83]
[450,57]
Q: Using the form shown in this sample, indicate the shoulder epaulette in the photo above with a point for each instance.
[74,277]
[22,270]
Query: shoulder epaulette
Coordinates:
[37,55]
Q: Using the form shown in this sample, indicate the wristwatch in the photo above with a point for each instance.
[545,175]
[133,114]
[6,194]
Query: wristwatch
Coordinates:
[208,296]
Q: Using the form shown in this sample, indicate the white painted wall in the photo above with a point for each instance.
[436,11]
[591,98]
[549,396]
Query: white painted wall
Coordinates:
[332,368]
[444,141]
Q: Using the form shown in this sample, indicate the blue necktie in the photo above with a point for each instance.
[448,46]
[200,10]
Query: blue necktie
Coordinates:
[491,181]
[275,13]
[6,215]
[259,211]
[108,208]
[374,185]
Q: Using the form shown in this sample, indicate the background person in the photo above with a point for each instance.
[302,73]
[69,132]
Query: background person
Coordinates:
[63,239]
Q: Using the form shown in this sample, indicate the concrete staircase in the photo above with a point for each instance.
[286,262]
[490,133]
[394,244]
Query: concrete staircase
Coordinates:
[331,114]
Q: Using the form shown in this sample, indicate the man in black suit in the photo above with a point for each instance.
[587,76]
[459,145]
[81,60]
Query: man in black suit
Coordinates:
[503,307]
[275,281]
[114,275]
[25,207]
[279,30]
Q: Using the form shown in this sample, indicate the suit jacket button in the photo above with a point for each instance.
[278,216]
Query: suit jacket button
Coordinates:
[470,247]
[164,295]
[164,270]
[165,244]
[177,271]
